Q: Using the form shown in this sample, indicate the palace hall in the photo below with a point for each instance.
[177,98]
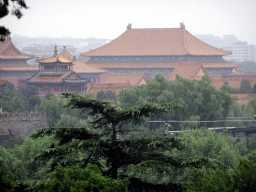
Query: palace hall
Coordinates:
[13,65]
[158,50]
[56,75]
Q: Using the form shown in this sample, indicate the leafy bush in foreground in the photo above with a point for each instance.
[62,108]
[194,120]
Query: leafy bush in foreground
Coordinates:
[243,179]
[88,179]
[6,182]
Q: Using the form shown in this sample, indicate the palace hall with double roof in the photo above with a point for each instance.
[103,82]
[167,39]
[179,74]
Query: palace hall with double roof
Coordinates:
[13,65]
[158,50]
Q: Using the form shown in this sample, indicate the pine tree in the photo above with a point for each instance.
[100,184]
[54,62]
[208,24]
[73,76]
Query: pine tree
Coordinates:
[105,150]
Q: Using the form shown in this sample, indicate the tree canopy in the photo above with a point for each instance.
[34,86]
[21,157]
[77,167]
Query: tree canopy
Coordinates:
[4,11]
[199,98]
[114,156]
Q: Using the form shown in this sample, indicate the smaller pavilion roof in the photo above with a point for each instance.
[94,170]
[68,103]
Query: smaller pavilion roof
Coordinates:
[63,57]
[190,70]
[53,77]
[66,54]
[9,51]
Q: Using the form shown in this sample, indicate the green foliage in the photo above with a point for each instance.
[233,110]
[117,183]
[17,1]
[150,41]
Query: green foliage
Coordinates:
[218,181]
[6,182]
[82,146]
[245,176]
[251,143]
[10,86]
[199,98]
[243,179]
[245,87]
[252,156]
[87,179]
[19,161]
[210,144]
[101,95]
[114,115]
[23,99]
[49,95]
[52,108]
[107,96]
[57,116]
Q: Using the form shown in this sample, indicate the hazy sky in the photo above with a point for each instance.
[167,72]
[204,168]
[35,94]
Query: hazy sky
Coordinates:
[109,18]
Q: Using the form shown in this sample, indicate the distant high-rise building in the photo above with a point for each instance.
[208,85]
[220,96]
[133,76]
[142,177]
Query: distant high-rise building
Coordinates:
[241,52]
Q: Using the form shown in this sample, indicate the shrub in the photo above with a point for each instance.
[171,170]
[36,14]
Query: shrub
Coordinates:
[6,182]
[88,179]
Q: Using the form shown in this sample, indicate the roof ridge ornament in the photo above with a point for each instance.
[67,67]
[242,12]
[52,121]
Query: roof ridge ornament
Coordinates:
[182,26]
[55,50]
[129,26]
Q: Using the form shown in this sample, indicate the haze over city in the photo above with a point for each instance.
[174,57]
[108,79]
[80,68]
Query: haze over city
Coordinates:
[108,19]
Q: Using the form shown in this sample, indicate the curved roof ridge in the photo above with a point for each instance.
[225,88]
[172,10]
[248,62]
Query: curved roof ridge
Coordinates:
[184,39]
[3,45]
[7,44]
[228,52]
[111,42]
[155,42]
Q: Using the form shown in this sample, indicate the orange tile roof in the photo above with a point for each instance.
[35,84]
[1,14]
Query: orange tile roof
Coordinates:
[2,82]
[49,77]
[66,55]
[224,64]
[25,68]
[80,67]
[243,99]
[54,59]
[190,70]
[234,80]
[55,77]
[85,60]
[155,41]
[63,57]
[9,51]
[105,65]
[132,79]
[133,65]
